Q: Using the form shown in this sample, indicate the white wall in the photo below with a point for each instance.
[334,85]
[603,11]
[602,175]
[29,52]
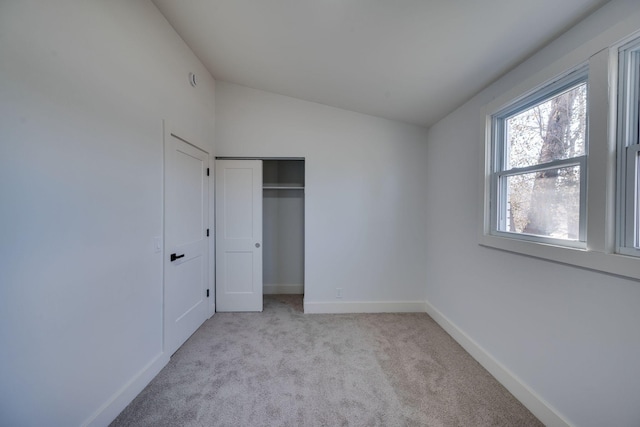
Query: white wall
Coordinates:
[283,241]
[84,87]
[571,335]
[364,192]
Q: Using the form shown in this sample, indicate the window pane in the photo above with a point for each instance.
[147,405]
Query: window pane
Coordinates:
[637,203]
[544,203]
[552,130]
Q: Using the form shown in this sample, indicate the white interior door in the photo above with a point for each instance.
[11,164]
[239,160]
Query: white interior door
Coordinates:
[186,248]
[238,235]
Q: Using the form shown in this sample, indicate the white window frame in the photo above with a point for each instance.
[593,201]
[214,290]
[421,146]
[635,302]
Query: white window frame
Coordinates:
[628,180]
[499,173]
[600,252]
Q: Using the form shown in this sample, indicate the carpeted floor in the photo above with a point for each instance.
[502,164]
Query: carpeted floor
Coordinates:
[284,368]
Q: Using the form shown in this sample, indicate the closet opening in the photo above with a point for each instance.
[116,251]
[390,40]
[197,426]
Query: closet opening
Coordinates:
[260,238]
[283,226]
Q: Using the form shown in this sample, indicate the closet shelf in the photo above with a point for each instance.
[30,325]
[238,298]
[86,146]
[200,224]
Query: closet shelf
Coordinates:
[282,187]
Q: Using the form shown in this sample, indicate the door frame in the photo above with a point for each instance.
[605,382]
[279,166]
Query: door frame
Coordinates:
[213,251]
[170,130]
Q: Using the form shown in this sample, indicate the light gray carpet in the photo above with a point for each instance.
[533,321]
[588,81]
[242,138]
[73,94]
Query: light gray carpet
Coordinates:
[284,368]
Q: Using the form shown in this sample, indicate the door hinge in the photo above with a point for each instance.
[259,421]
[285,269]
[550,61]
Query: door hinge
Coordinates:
[207,293]
[207,171]
[207,232]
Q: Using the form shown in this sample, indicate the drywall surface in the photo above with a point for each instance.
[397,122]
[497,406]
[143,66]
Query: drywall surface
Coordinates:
[364,190]
[84,87]
[571,335]
[283,240]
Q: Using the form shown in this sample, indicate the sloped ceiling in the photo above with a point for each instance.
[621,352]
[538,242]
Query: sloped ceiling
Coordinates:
[408,60]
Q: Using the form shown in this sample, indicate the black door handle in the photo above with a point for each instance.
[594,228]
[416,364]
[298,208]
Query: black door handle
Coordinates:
[175,257]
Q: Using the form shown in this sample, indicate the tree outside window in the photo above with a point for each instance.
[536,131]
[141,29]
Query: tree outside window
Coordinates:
[540,158]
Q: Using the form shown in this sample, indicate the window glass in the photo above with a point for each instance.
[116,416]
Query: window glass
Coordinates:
[554,129]
[540,149]
[544,203]
[637,204]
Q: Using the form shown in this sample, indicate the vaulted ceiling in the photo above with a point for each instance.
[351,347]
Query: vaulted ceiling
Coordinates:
[408,60]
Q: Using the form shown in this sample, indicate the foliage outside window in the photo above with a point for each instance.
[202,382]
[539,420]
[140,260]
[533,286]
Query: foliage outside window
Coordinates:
[629,150]
[539,158]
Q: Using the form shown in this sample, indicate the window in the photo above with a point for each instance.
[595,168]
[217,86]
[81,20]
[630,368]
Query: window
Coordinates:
[561,164]
[629,150]
[539,157]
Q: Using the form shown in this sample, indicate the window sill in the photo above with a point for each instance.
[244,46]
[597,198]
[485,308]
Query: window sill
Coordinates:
[610,263]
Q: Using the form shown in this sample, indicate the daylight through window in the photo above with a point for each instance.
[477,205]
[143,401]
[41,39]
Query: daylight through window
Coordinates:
[540,149]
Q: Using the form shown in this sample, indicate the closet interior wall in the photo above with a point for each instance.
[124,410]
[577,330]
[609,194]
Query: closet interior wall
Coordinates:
[283,226]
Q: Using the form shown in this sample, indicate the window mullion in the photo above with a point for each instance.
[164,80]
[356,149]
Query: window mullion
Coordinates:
[556,164]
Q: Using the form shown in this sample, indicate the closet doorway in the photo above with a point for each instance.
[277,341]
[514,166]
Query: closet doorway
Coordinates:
[259,230]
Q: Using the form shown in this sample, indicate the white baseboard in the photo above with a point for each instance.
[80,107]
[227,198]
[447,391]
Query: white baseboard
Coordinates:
[530,399]
[364,307]
[282,289]
[112,407]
